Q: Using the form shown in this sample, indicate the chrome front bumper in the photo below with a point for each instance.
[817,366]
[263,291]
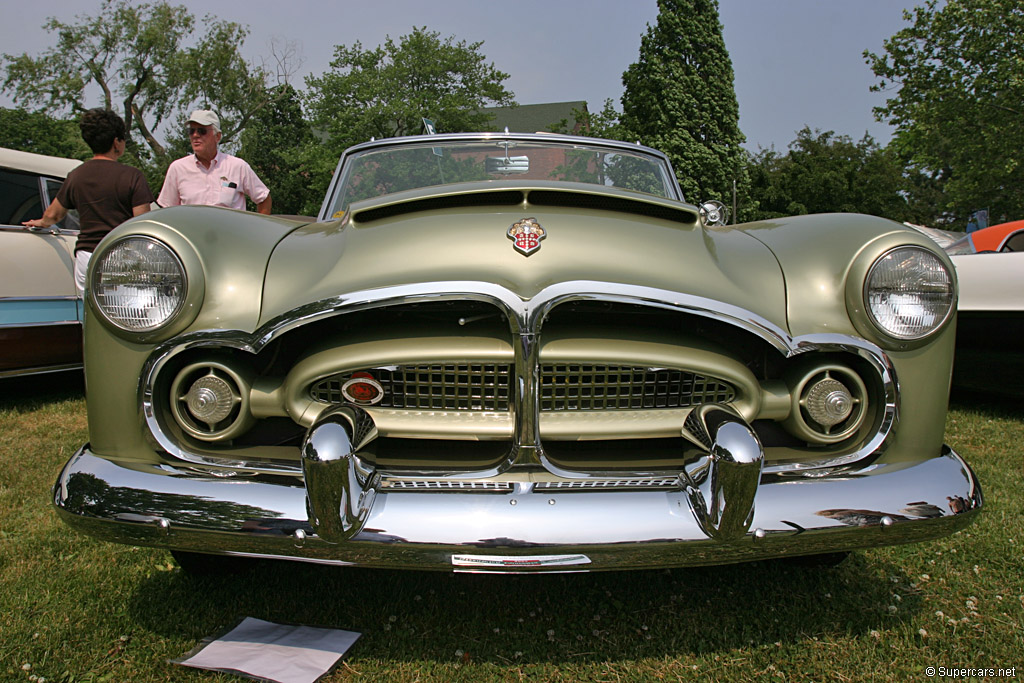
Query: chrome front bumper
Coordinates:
[724,510]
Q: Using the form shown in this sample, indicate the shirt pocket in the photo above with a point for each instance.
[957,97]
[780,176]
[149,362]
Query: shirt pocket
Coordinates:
[227,194]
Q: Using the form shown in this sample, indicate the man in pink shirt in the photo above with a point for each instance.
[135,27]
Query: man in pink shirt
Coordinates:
[209,176]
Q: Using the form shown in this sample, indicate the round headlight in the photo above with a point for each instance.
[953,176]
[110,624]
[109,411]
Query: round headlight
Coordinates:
[909,293]
[139,284]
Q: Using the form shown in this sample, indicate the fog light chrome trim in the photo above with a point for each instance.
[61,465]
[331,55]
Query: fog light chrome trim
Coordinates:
[209,401]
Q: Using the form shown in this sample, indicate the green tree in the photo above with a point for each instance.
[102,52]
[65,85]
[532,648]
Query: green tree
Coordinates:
[603,124]
[387,91]
[957,107]
[275,143]
[824,173]
[147,65]
[41,134]
[679,98]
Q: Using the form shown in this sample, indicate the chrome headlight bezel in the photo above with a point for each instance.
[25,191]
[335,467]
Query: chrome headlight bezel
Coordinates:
[935,279]
[182,274]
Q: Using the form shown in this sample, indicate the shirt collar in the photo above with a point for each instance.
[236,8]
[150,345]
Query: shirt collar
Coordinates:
[214,164]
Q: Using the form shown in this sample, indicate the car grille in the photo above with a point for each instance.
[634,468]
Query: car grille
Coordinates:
[563,387]
[454,386]
[613,387]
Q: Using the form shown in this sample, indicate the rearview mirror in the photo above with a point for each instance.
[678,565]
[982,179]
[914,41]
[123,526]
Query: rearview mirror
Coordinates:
[508,165]
[714,213]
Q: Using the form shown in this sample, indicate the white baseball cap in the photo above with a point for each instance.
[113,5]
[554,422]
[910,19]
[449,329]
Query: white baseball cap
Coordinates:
[205,117]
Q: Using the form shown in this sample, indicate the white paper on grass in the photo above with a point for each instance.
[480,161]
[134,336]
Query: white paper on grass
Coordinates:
[275,652]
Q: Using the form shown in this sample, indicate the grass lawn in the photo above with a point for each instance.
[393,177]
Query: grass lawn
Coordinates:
[76,609]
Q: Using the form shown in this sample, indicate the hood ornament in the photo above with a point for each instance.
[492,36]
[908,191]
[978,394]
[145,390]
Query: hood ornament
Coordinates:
[526,235]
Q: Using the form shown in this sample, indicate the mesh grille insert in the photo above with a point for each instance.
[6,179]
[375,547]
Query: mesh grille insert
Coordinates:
[563,387]
[615,387]
[445,386]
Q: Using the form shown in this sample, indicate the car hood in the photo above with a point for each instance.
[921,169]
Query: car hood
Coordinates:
[462,236]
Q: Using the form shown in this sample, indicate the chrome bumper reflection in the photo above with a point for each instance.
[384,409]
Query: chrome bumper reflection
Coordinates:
[162,506]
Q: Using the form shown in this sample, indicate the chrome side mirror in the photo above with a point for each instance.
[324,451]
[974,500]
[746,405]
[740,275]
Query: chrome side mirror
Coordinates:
[714,213]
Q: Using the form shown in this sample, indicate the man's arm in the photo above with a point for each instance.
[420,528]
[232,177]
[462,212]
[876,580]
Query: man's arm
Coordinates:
[264,206]
[169,194]
[140,209]
[54,213]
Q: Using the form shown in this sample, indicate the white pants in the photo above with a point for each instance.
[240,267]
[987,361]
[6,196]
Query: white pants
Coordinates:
[81,265]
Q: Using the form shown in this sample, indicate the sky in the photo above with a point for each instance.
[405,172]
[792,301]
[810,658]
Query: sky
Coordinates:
[797,62]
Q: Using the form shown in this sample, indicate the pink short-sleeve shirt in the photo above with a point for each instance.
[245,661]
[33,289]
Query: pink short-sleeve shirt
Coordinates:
[226,183]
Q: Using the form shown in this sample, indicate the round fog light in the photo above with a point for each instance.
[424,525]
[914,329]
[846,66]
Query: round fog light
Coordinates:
[210,399]
[829,402]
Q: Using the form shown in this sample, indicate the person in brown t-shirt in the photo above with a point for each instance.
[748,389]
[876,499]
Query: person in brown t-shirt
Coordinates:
[105,192]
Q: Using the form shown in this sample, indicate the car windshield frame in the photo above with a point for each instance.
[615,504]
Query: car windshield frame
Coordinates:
[381,168]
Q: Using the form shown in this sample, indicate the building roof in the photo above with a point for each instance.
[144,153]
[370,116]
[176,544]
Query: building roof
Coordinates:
[535,118]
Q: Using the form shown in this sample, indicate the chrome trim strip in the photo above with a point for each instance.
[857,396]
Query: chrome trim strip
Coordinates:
[48,323]
[526,319]
[41,370]
[880,504]
[666,483]
[517,563]
[70,297]
[445,485]
[38,231]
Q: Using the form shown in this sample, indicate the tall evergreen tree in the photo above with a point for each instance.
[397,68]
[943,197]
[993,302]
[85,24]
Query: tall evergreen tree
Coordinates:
[679,98]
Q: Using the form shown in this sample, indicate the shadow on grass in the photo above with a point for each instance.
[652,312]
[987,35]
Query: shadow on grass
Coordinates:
[979,400]
[416,616]
[24,394]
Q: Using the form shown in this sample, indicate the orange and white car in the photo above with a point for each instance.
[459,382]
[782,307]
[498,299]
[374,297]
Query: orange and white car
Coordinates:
[990,268]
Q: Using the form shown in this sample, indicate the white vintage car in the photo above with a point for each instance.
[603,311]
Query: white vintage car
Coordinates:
[40,311]
[990,267]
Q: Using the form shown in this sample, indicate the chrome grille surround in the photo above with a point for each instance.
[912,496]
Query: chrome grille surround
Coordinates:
[525,319]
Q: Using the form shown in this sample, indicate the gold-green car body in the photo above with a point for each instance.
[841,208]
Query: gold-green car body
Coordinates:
[501,352]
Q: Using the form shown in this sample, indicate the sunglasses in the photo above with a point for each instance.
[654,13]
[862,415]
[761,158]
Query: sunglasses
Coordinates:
[201,131]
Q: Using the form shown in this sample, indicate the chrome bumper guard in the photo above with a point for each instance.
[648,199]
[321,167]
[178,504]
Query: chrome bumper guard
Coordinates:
[725,509]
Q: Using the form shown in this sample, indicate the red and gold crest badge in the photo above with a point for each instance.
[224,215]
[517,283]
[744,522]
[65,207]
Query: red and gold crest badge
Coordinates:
[526,235]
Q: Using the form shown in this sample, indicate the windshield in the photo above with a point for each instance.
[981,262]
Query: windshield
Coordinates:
[961,246]
[379,172]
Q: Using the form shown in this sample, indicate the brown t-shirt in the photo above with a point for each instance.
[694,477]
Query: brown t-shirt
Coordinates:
[105,193]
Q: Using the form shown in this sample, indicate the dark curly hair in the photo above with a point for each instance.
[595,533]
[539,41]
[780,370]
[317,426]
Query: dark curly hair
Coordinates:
[100,127]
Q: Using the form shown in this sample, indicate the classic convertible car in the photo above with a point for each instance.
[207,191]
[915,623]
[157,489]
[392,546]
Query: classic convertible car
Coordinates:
[515,353]
[40,310]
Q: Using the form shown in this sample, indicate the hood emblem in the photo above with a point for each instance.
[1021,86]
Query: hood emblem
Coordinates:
[526,235]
